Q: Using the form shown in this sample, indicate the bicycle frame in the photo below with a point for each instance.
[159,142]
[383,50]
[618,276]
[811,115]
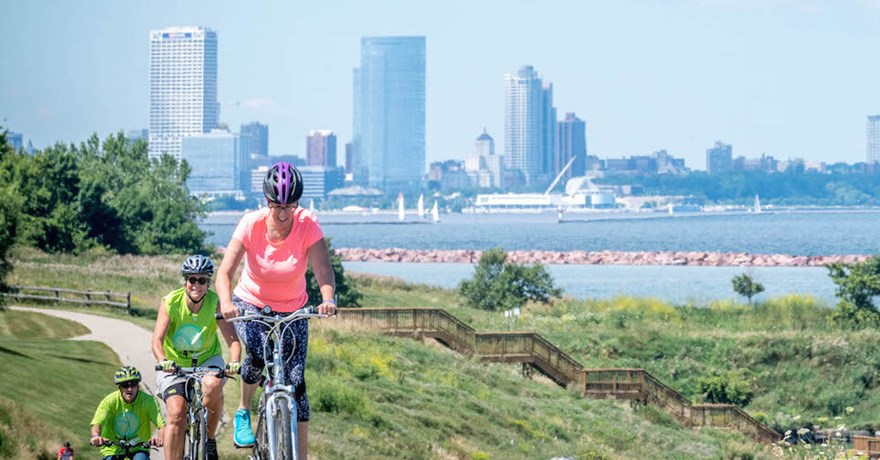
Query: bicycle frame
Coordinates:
[197,415]
[277,393]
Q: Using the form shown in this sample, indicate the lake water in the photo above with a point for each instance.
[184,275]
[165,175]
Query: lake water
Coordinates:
[797,233]
[674,284]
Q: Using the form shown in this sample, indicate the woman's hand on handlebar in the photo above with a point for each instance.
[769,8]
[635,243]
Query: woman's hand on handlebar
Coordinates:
[228,310]
[97,440]
[327,307]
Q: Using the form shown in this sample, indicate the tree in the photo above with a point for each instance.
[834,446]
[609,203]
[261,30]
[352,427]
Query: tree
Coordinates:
[857,285]
[500,285]
[346,293]
[10,203]
[108,194]
[745,286]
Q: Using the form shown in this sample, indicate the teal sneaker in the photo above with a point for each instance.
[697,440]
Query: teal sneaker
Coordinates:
[244,435]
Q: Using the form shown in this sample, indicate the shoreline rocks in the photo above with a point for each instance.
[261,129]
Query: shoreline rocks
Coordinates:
[693,258]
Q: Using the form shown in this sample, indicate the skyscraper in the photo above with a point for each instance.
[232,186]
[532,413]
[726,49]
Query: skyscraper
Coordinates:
[183,86]
[529,131]
[389,113]
[719,159]
[872,139]
[15,139]
[254,139]
[571,142]
[321,148]
[214,158]
[548,130]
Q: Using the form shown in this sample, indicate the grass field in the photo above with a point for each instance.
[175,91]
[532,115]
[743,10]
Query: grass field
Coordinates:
[373,395]
[50,386]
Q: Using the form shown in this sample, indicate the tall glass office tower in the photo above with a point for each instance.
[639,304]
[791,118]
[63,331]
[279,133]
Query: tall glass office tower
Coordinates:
[529,124]
[183,86]
[389,113]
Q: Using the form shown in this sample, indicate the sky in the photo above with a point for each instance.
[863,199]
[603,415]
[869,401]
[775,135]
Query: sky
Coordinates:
[788,78]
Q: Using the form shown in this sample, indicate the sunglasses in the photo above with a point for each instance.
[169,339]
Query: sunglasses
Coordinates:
[128,385]
[286,207]
[194,280]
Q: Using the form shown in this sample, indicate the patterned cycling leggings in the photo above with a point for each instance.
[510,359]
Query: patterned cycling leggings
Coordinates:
[254,336]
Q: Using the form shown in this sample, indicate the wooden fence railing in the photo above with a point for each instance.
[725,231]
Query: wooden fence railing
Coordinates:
[531,348]
[111,299]
[867,445]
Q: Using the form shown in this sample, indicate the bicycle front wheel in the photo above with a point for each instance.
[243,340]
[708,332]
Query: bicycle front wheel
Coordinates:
[203,435]
[285,437]
[192,439]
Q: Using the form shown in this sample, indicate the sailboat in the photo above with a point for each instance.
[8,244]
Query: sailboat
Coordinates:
[757,205]
[401,211]
[421,207]
[435,212]
[312,205]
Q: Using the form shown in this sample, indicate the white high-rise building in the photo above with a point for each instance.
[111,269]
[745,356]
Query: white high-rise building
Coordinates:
[872,139]
[529,123]
[183,86]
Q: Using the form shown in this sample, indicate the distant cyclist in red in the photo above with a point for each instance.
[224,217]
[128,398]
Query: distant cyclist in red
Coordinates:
[66,452]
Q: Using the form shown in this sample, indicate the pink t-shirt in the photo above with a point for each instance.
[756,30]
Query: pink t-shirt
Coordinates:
[274,272]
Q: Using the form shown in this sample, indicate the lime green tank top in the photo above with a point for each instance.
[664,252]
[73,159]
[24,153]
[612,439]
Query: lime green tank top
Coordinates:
[122,421]
[191,334]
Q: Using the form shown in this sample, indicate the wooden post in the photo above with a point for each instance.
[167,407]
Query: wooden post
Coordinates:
[128,302]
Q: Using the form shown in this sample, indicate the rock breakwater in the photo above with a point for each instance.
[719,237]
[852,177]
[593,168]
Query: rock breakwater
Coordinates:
[695,258]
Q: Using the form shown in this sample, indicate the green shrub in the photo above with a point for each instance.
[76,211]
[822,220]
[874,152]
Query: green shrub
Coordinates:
[729,388]
[500,285]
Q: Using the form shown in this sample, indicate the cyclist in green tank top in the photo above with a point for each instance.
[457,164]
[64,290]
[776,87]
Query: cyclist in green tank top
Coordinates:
[186,329]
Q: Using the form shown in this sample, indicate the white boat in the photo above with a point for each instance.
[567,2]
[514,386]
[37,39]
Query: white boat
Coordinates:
[401,211]
[757,205]
[435,212]
[421,207]
[312,205]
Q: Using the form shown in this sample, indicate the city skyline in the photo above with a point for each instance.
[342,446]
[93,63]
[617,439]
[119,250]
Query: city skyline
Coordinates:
[785,78]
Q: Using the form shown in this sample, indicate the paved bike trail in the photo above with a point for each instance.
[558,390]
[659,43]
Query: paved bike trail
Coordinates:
[129,341]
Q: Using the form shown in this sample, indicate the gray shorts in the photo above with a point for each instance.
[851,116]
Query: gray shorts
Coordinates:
[166,380]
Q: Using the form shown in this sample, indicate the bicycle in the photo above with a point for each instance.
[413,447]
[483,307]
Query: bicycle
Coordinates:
[127,447]
[276,435]
[196,433]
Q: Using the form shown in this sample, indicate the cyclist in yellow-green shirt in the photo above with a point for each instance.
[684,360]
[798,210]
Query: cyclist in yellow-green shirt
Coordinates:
[185,329]
[126,415]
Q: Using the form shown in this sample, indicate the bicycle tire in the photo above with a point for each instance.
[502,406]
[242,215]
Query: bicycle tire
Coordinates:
[192,436]
[203,434]
[261,438]
[285,441]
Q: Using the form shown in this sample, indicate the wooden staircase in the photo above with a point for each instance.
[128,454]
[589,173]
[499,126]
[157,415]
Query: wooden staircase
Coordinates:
[536,352]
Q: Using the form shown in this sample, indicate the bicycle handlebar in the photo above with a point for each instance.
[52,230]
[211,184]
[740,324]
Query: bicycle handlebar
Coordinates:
[200,371]
[123,443]
[302,313]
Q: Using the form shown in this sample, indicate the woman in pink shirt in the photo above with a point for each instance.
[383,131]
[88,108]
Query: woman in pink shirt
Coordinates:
[277,243]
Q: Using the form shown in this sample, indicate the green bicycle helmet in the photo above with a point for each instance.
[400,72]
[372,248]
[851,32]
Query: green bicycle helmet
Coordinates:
[127,374]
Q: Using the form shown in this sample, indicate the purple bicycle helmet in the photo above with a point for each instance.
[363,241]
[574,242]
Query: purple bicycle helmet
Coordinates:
[283,183]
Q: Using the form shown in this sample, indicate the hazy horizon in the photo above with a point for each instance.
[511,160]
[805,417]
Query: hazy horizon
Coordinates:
[788,78]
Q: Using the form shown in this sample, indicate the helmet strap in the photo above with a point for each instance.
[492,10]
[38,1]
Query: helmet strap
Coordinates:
[194,301]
